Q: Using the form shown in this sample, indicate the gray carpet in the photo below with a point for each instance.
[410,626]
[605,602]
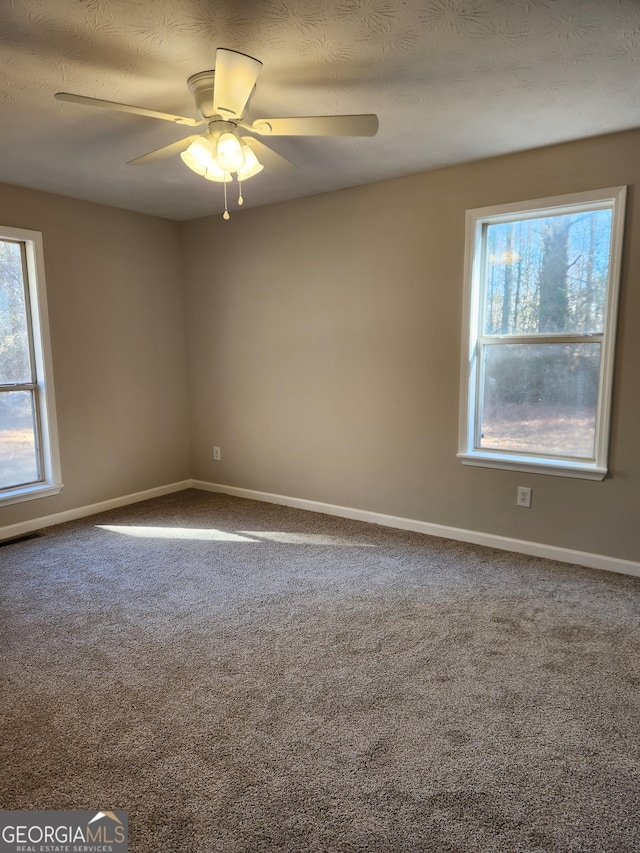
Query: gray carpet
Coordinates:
[259,678]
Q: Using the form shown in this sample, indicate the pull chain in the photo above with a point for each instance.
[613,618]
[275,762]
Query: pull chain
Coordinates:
[225,215]
[240,199]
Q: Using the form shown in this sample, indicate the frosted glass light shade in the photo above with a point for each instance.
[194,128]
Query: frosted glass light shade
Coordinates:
[199,155]
[230,156]
[251,165]
[213,172]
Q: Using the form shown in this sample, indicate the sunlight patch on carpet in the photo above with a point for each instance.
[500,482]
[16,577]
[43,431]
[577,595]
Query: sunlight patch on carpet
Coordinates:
[213,535]
[208,534]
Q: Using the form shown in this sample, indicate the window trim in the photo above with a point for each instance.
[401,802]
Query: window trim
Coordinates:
[476,220]
[40,342]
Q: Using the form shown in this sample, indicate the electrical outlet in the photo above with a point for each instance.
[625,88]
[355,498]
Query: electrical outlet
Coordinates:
[524,496]
[216,454]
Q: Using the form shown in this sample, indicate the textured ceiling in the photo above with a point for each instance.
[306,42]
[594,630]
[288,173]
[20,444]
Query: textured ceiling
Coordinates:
[451,81]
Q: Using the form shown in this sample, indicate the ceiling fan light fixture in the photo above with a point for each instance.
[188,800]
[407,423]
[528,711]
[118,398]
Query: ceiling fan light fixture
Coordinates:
[222,97]
[251,164]
[229,153]
[199,155]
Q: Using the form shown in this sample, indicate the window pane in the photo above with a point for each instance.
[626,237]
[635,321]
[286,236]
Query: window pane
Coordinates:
[540,398]
[547,275]
[14,336]
[18,453]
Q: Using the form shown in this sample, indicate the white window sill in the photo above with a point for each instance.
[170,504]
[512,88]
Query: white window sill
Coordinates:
[534,465]
[29,493]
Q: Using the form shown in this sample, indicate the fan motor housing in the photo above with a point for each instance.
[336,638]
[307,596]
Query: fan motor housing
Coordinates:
[201,85]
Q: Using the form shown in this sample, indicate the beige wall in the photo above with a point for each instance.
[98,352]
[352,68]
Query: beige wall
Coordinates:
[117,336]
[324,340]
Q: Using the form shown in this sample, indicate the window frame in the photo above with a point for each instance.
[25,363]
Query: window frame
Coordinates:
[477,220]
[42,387]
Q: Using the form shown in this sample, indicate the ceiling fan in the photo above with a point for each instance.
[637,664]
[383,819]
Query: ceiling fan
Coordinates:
[222,97]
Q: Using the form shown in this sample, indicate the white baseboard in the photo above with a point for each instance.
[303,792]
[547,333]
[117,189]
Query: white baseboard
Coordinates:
[23,527]
[503,543]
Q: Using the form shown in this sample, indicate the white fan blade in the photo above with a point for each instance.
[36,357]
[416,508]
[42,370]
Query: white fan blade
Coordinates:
[270,159]
[235,76]
[359,125]
[126,108]
[165,151]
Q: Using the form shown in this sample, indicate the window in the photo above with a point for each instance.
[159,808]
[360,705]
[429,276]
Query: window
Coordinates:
[541,287]
[29,463]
